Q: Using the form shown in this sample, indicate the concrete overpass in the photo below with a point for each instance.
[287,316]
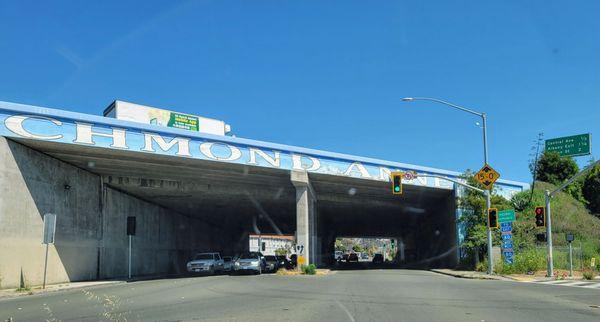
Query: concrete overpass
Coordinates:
[193,192]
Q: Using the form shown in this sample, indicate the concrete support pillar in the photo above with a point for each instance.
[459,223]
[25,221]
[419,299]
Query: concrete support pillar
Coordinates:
[306,241]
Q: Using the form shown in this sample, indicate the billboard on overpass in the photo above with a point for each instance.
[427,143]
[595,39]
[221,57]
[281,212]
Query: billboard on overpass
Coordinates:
[151,115]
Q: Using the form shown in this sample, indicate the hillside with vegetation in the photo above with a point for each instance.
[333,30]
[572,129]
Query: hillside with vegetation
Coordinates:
[574,210]
[569,215]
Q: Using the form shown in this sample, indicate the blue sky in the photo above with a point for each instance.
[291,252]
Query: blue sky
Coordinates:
[325,75]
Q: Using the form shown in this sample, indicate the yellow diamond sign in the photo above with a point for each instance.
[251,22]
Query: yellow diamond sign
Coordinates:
[487,176]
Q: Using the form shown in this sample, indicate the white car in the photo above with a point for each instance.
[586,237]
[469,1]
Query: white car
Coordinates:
[206,263]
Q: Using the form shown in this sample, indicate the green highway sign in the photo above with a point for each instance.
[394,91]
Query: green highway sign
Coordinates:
[506,216]
[571,145]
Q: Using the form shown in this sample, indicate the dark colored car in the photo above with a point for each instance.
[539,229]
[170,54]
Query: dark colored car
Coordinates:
[294,260]
[352,258]
[284,262]
[271,263]
[377,259]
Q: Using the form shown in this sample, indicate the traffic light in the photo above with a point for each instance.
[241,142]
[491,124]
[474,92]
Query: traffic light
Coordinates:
[540,216]
[396,183]
[493,217]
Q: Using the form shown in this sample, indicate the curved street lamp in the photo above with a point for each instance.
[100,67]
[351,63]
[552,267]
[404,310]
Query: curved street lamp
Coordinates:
[485,159]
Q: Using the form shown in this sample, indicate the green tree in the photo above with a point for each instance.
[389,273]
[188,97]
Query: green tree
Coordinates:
[281,251]
[358,248]
[555,169]
[340,246]
[591,190]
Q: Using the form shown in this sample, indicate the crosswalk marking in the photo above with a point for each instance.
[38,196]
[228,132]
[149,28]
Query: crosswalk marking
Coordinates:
[586,284]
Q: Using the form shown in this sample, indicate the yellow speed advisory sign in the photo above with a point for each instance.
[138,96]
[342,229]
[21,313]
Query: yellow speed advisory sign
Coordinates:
[487,176]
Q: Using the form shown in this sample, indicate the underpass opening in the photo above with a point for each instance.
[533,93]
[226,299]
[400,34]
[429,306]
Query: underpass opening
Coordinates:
[423,218]
[367,252]
[201,206]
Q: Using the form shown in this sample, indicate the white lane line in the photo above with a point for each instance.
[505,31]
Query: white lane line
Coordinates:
[577,283]
[345,310]
[595,285]
[559,282]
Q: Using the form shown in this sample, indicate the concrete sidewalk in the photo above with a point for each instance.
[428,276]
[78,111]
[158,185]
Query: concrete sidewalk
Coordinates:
[472,275]
[11,293]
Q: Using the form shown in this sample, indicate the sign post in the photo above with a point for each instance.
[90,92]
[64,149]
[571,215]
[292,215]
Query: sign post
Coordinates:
[570,238]
[48,238]
[130,234]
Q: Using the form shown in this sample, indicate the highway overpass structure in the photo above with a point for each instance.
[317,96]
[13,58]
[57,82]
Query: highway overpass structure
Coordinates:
[193,192]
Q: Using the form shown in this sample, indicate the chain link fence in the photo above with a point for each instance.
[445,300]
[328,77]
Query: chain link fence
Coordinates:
[561,256]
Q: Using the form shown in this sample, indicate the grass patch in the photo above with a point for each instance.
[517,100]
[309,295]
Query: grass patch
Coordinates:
[588,275]
[310,269]
[23,289]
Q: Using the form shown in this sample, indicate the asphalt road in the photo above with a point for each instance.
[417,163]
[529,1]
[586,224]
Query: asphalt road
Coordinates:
[374,295]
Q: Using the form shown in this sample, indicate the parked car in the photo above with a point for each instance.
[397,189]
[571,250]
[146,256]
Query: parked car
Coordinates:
[249,262]
[338,255]
[294,260]
[353,257]
[227,263]
[271,263]
[205,263]
[377,259]
[284,262]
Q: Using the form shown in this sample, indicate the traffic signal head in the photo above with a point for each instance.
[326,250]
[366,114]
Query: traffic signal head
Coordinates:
[493,217]
[540,216]
[396,183]
[540,237]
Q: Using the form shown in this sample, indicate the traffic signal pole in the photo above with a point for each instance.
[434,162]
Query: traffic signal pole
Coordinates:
[550,261]
[549,195]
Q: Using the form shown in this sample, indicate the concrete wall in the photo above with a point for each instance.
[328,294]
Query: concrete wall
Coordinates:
[91,241]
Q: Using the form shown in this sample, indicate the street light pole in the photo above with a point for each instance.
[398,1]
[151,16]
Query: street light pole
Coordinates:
[485,158]
[488,202]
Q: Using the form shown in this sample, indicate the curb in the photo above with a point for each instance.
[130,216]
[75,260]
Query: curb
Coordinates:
[12,293]
[474,276]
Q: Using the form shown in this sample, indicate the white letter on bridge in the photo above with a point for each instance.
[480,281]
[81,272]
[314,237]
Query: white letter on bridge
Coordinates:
[360,168]
[384,174]
[297,163]
[206,149]
[85,135]
[275,161]
[183,144]
[15,125]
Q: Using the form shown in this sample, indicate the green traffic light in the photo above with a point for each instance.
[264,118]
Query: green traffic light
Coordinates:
[396,188]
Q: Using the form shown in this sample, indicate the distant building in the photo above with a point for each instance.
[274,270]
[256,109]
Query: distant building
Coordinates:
[270,243]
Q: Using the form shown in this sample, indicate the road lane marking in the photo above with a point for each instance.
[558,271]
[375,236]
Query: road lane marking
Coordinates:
[345,310]
[571,283]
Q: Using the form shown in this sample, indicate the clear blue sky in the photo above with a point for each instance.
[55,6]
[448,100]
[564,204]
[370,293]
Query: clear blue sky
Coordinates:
[326,75]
